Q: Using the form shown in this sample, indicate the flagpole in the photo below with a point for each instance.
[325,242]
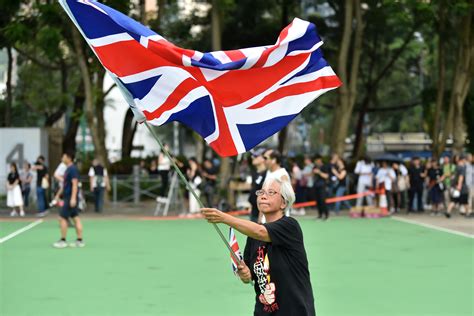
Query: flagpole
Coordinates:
[189,187]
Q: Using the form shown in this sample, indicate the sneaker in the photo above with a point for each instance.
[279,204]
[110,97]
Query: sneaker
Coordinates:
[448,215]
[13,213]
[77,244]
[60,244]
[22,213]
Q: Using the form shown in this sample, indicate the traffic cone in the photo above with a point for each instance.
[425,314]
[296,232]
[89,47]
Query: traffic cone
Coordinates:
[383,203]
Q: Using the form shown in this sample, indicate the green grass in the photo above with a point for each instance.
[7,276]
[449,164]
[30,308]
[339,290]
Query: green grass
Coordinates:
[358,267]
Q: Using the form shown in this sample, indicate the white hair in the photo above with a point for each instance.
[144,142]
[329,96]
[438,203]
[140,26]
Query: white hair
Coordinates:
[286,191]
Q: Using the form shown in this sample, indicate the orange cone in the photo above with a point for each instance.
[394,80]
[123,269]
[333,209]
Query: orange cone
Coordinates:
[383,203]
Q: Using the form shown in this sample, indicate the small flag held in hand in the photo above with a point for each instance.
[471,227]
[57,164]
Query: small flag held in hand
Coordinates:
[235,247]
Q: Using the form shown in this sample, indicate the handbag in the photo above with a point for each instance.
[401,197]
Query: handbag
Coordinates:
[45,183]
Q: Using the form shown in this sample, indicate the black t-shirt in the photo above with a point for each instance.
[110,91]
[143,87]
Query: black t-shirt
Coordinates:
[434,174]
[281,265]
[12,177]
[257,182]
[416,181]
[40,173]
[319,181]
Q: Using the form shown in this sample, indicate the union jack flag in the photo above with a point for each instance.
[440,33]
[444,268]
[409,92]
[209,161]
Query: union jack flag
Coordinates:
[234,99]
[235,247]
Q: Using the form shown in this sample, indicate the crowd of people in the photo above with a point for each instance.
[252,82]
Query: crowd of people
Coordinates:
[21,182]
[438,186]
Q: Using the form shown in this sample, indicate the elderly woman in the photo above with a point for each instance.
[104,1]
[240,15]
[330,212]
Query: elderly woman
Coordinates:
[274,252]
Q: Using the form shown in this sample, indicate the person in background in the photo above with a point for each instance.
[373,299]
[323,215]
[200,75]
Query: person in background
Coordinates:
[273,162]
[69,209]
[59,177]
[384,179]
[193,174]
[470,183]
[459,189]
[417,174]
[99,182]
[258,178]
[308,178]
[321,173]
[14,197]
[26,177]
[339,170]
[42,185]
[435,186]
[209,174]
[449,169]
[153,170]
[364,169]
[298,185]
[164,167]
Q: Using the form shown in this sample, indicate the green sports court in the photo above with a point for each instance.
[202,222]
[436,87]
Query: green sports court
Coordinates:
[132,266]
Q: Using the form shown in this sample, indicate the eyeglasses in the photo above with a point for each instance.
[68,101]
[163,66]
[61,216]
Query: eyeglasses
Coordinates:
[268,193]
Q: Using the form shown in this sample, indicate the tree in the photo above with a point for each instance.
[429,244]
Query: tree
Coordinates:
[9,10]
[452,124]
[353,29]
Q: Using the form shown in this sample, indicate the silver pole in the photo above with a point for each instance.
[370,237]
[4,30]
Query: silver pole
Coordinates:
[188,186]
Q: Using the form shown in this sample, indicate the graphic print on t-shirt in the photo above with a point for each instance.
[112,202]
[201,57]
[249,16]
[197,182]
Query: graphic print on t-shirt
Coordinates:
[261,268]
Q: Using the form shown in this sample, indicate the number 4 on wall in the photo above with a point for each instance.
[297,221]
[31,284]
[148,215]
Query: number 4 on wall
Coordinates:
[16,155]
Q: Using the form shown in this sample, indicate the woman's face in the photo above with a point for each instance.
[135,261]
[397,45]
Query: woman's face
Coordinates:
[271,201]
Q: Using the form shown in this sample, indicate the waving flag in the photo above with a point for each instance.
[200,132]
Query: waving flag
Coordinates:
[235,247]
[233,99]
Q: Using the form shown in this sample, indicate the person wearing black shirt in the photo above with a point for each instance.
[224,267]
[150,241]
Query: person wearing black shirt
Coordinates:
[321,175]
[42,180]
[258,178]
[69,210]
[435,186]
[209,174]
[417,175]
[274,256]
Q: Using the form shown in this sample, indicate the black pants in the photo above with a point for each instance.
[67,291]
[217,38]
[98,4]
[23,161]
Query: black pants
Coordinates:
[164,182]
[418,192]
[320,197]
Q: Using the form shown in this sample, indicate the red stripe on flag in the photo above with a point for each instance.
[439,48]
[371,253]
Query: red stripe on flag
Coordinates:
[128,58]
[224,144]
[251,82]
[299,88]
[234,55]
[173,99]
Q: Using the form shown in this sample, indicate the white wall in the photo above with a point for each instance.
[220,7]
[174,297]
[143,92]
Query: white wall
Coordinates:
[19,145]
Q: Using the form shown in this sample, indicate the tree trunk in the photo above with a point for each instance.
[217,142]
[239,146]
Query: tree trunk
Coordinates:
[435,136]
[99,109]
[347,92]
[461,83]
[69,141]
[100,152]
[161,13]
[9,100]
[128,133]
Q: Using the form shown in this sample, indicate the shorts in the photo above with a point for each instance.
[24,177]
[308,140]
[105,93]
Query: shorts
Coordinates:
[67,211]
[462,199]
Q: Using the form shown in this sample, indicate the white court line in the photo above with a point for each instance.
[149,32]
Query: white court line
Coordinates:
[21,230]
[446,230]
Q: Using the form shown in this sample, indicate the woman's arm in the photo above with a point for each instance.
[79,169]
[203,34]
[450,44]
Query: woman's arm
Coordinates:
[248,228]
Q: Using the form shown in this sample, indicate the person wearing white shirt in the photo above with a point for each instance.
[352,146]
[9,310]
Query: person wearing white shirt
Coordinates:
[364,169]
[384,178]
[99,181]
[273,161]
